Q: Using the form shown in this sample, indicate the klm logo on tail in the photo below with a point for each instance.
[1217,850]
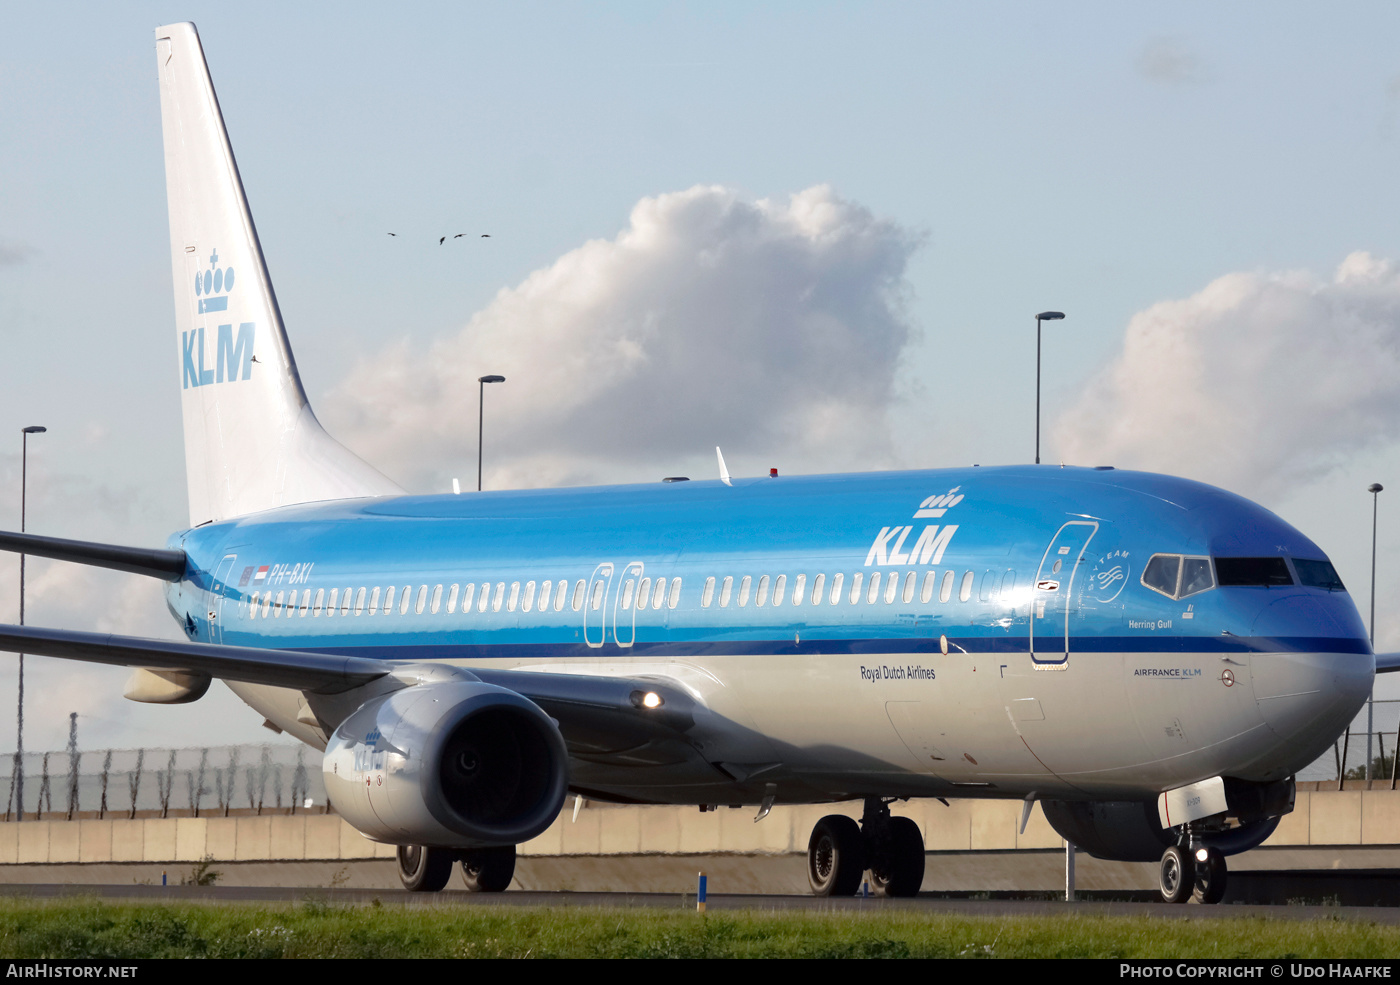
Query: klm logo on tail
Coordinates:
[233,358]
[212,286]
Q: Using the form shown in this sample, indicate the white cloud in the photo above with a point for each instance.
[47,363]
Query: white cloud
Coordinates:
[1257,383]
[773,329]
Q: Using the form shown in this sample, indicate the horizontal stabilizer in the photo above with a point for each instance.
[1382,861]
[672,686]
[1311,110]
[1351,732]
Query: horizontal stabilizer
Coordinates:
[1387,663]
[168,565]
[322,673]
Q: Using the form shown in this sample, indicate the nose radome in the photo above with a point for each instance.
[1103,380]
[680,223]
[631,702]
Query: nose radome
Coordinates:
[1307,699]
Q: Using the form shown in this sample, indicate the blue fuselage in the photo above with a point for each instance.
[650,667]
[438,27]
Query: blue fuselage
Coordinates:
[889,589]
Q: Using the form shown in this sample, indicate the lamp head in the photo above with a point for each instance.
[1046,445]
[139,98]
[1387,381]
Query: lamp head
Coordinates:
[35,429]
[1050,316]
[491,379]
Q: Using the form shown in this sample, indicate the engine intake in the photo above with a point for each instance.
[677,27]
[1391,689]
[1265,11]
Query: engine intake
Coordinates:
[453,764]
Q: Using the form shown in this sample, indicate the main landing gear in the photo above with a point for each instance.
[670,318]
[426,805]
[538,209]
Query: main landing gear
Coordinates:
[840,851]
[1192,870]
[484,870]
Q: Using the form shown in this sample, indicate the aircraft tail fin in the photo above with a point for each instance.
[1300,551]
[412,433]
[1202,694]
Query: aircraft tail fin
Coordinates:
[252,441]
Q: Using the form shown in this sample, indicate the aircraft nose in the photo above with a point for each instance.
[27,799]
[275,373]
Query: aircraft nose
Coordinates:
[1307,699]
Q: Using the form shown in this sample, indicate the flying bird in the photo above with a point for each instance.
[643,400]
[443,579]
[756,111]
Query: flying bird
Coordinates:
[485,235]
[393,234]
[441,241]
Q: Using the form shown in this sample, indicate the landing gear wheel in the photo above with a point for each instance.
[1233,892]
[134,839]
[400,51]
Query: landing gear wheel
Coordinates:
[488,870]
[897,867]
[424,870]
[1177,877]
[1210,878]
[835,857]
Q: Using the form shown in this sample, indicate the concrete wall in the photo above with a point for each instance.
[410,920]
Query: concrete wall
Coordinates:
[1321,818]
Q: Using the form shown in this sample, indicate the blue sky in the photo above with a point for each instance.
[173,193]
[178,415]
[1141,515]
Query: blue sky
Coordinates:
[1099,159]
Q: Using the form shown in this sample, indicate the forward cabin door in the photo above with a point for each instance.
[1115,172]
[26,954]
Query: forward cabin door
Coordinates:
[1052,595]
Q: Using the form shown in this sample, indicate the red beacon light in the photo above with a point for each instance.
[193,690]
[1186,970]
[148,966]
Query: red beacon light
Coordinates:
[772,473]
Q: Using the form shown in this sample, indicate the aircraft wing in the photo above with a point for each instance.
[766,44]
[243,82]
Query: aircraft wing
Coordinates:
[601,716]
[321,673]
[1387,663]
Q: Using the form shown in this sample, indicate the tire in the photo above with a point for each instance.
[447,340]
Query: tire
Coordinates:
[1210,878]
[897,869]
[424,870]
[835,857]
[488,870]
[1176,879]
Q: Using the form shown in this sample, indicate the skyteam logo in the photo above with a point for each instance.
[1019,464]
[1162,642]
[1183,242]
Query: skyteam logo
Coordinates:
[212,286]
[233,356]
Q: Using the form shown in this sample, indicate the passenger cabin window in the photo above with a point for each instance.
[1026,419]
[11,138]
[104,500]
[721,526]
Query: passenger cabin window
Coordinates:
[965,590]
[908,595]
[320,598]
[1261,572]
[708,594]
[578,595]
[855,586]
[836,581]
[528,601]
[799,589]
[945,591]
[779,588]
[359,601]
[452,600]
[389,600]
[405,597]
[484,599]
[545,587]
[873,592]
[926,593]
[725,589]
[818,588]
[675,597]
[468,591]
[745,587]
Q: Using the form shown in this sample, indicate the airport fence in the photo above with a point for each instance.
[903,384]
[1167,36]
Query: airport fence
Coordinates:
[195,782]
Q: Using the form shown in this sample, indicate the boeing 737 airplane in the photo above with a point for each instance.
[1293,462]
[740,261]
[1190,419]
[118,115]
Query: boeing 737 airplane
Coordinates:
[1150,659]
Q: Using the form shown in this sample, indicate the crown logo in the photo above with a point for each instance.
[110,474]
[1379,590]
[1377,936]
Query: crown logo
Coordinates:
[938,505]
[212,286]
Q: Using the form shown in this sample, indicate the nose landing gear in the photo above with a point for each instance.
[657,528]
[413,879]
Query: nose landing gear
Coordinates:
[891,848]
[1192,870]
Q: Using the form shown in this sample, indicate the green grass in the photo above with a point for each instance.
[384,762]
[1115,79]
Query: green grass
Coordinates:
[92,928]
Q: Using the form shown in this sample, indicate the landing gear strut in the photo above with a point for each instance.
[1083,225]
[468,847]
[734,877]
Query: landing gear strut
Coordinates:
[840,851]
[1192,870]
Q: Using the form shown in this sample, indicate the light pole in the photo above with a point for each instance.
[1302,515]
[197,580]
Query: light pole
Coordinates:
[480,413]
[1043,316]
[1375,490]
[19,714]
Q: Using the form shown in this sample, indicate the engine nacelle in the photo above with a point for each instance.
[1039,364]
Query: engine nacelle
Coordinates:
[455,764]
[1129,831]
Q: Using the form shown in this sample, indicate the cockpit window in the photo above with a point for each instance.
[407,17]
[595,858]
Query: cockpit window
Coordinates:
[1265,572]
[1318,574]
[1176,576]
[1195,576]
[1161,573]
